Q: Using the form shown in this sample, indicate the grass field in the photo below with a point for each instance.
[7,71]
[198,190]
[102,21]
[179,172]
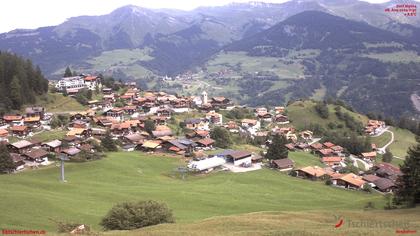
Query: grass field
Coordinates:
[303,113]
[312,223]
[253,64]
[303,159]
[403,139]
[395,57]
[380,141]
[32,199]
[56,102]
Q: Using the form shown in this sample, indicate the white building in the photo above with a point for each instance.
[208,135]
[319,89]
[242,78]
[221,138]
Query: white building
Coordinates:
[78,82]
[207,164]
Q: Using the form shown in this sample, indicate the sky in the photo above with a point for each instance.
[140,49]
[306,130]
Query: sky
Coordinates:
[31,14]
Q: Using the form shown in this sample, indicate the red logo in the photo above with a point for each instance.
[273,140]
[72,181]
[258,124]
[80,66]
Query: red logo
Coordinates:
[340,221]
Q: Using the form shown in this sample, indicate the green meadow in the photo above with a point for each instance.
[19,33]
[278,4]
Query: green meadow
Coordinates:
[35,199]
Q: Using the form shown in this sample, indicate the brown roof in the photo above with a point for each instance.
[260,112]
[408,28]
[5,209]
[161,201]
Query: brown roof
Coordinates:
[329,144]
[370,178]
[316,146]
[384,183]
[36,154]
[19,128]
[239,154]
[331,159]
[21,144]
[206,141]
[369,154]
[326,151]
[314,171]
[283,163]
[353,179]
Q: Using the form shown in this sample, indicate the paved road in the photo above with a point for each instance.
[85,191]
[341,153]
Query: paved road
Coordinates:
[383,149]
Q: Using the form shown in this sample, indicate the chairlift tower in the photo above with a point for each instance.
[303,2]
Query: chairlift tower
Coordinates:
[62,158]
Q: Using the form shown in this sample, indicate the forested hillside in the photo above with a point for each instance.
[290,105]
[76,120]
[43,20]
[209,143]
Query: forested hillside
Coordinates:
[20,82]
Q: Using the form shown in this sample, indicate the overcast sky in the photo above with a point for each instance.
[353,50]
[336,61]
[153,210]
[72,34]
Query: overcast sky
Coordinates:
[31,14]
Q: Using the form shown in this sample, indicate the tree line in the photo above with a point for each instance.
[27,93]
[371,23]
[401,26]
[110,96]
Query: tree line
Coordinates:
[20,82]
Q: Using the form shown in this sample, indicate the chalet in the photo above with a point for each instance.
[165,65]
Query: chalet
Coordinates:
[98,133]
[385,185]
[70,152]
[387,170]
[116,113]
[103,121]
[316,147]
[164,112]
[136,139]
[281,119]
[13,119]
[338,150]
[130,110]
[18,161]
[325,152]
[260,110]
[32,121]
[180,146]
[265,116]
[106,91]
[290,146]
[306,135]
[249,123]
[39,156]
[78,116]
[311,172]
[3,135]
[120,128]
[332,161]
[93,103]
[368,155]
[79,124]
[109,98]
[214,118]
[279,110]
[284,164]
[20,146]
[205,143]
[20,130]
[350,180]
[150,145]
[161,133]
[220,102]
[52,146]
[35,112]
[196,124]
[303,146]
[79,132]
[328,144]
[374,127]
[232,127]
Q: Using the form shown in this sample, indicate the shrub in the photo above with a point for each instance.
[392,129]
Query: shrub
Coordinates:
[134,215]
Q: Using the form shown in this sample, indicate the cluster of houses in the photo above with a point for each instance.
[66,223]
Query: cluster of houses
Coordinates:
[381,177]
[374,127]
[23,125]
[137,109]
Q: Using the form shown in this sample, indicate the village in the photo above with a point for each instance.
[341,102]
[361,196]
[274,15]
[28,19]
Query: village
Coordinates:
[156,122]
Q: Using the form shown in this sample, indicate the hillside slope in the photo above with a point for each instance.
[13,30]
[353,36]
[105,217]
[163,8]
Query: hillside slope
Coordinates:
[288,223]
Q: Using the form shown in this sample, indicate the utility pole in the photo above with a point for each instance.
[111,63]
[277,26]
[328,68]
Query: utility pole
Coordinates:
[62,158]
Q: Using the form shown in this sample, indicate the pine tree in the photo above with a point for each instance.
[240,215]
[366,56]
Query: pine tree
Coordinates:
[277,149]
[408,184]
[221,137]
[387,157]
[149,126]
[15,93]
[68,72]
[108,143]
[6,162]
